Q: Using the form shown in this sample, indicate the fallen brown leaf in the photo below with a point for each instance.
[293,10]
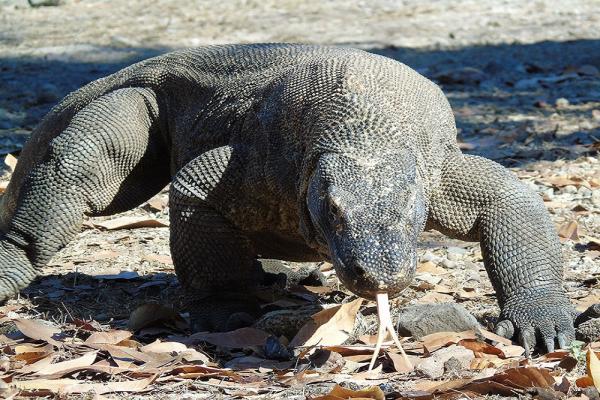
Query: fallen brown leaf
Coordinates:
[69,386]
[329,327]
[72,365]
[131,223]
[568,231]
[36,329]
[32,354]
[338,392]
[110,337]
[593,367]
[437,340]
[431,268]
[494,338]
[400,364]
[479,347]
[435,297]
[163,347]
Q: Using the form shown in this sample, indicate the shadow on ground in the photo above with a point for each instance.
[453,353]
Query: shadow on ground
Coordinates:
[504,96]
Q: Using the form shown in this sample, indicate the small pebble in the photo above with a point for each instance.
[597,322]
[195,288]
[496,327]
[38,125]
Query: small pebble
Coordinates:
[569,189]
[450,264]
[584,192]
[561,102]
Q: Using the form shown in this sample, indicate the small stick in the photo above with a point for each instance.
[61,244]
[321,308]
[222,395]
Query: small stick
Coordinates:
[385,325]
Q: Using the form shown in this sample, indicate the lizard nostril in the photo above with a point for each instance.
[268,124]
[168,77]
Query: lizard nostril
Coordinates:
[359,270]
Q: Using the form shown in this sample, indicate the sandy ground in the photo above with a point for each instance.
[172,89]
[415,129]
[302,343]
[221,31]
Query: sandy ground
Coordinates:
[523,81]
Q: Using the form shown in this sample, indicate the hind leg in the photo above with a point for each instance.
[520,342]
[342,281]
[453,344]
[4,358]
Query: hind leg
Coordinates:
[87,169]
[215,261]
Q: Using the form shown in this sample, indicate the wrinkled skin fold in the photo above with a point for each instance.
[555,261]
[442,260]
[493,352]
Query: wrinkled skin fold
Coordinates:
[293,152]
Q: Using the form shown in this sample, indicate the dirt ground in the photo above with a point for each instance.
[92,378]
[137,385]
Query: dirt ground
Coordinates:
[522,77]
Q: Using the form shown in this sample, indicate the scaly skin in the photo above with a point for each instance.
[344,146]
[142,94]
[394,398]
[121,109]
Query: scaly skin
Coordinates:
[300,153]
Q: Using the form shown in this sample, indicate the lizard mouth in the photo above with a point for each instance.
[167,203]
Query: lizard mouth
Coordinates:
[361,281]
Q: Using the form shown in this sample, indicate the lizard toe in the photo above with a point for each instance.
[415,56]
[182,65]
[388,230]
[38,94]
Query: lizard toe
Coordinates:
[505,328]
[527,339]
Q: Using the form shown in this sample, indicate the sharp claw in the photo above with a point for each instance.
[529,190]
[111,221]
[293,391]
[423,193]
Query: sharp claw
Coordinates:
[563,342]
[385,325]
[550,345]
[501,331]
[527,340]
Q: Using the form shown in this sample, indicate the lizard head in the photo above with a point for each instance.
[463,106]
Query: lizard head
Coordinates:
[368,214]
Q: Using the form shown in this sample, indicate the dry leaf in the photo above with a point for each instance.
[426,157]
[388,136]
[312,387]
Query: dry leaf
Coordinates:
[158,203]
[593,367]
[400,364]
[431,268]
[525,377]
[562,181]
[568,231]
[72,365]
[126,354]
[36,329]
[584,381]
[163,347]
[435,297]
[32,354]
[68,386]
[480,347]
[512,350]
[37,366]
[338,392]
[437,340]
[110,337]
[329,327]
[131,223]
[494,338]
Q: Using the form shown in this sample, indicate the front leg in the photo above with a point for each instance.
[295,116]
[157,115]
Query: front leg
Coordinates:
[214,261]
[478,199]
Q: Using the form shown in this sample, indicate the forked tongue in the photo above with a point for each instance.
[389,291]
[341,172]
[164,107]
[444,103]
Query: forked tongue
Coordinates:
[385,326]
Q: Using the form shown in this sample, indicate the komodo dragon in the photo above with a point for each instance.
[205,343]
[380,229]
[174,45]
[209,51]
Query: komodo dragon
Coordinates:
[292,152]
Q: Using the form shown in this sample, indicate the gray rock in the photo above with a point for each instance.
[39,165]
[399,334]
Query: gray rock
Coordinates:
[452,359]
[569,189]
[562,102]
[450,264]
[456,253]
[423,319]
[584,192]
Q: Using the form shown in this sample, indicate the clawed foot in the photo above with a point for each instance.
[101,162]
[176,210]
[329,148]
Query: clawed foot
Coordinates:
[543,322]
[223,315]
